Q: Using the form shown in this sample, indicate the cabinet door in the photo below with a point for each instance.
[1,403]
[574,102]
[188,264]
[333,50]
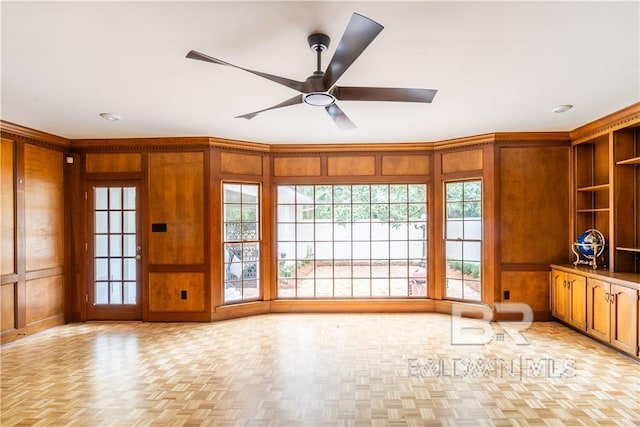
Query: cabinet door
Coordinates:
[577,313]
[598,309]
[624,318]
[559,295]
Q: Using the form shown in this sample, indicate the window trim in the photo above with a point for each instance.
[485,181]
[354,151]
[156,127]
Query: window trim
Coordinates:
[295,222]
[481,241]
[258,241]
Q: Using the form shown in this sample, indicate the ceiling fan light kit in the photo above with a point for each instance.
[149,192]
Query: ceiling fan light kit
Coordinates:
[320,89]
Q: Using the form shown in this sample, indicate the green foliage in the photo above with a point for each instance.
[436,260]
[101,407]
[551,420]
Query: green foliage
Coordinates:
[467,269]
[464,199]
[352,203]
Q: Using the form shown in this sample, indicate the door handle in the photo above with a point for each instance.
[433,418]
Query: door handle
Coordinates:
[606,297]
[138,256]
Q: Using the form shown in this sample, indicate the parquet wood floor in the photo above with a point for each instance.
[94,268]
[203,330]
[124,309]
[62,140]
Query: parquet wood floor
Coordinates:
[345,370]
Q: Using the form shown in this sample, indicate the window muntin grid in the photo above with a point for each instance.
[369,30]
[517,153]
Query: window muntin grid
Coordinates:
[241,241]
[463,240]
[343,241]
[115,246]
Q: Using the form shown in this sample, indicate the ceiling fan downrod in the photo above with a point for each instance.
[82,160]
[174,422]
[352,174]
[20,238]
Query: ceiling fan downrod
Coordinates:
[318,43]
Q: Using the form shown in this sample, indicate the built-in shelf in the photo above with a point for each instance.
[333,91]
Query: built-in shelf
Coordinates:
[592,210]
[632,161]
[594,188]
[622,248]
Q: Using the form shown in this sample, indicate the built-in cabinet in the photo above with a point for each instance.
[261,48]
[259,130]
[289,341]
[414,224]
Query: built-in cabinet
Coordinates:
[602,304]
[612,313]
[605,196]
[569,294]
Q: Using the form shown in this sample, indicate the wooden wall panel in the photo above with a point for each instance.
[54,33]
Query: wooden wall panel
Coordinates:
[165,291]
[529,287]
[7,220]
[415,164]
[176,198]
[462,161]
[534,204]
[44,298]
[296,166]
[243,164]
[114,162]
[7,307]
[351,165]
[44,207]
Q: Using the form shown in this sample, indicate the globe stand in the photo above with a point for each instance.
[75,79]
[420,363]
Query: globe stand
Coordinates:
[588,247]
[591,260]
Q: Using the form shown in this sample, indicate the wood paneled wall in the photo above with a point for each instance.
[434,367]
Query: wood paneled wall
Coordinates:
[32,234]
[533,182]
[177,193]
[181,182]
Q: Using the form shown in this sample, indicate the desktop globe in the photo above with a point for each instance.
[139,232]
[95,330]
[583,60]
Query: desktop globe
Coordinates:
[589,245]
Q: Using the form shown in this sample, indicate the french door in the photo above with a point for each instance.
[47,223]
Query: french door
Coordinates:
[114,252]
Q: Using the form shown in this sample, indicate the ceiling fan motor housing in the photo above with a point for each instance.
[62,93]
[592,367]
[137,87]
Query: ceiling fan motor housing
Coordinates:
[318,41]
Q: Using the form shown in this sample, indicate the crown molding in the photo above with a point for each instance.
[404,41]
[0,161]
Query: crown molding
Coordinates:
[141,144]
[239,145]
[532,137]
[628,116]
[349,148]
[36,136]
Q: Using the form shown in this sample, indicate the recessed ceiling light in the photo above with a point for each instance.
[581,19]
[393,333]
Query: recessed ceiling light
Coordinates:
[562,108]
[111,117]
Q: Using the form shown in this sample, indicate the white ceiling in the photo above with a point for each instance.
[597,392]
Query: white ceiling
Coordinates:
[498,67]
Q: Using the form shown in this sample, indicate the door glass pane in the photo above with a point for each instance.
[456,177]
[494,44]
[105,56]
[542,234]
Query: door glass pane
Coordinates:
[102,269]
[115,222]
[116,293]
[115,245]
[115,198]
[101,197]
[129,265]
[101,222]
[129,245]
[102,245]
[129,198]
[115,269]
[102,292]
[129,222]
[130,293]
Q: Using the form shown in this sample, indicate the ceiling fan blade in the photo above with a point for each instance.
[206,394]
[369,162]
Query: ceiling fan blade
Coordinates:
[293,84]
[292,101]
[359,34]
[339,117]
[383,94]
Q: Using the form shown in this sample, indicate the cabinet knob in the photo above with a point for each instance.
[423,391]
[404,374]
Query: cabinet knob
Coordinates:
[606,297]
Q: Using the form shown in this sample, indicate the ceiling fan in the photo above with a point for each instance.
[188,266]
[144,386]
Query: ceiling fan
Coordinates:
[320,89]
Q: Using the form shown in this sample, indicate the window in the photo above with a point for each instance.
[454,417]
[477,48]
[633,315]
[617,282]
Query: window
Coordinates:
[343,241]
[463,240]
[241,245]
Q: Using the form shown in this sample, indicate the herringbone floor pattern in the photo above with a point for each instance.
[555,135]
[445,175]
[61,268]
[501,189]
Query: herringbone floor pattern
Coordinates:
[314,370]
